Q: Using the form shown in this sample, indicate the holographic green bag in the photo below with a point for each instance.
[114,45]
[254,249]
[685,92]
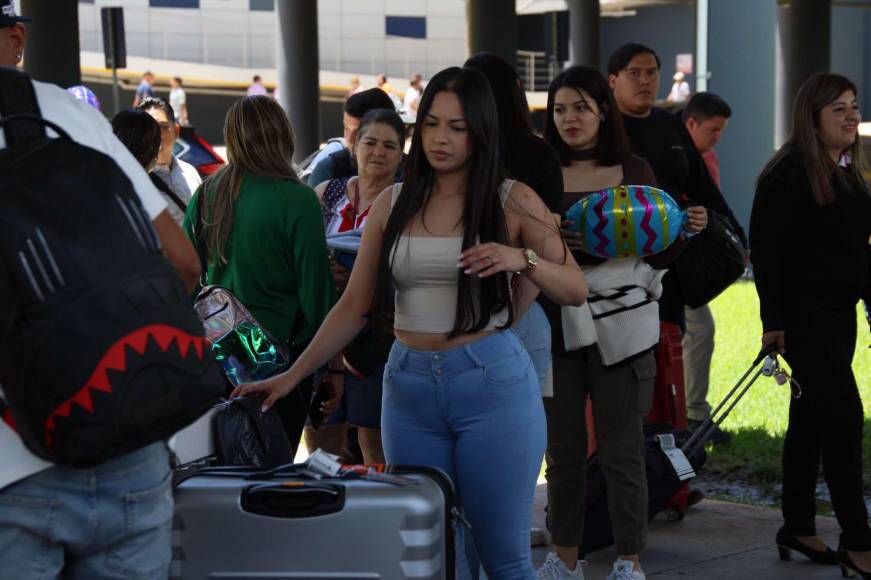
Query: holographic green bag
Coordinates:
[243,347]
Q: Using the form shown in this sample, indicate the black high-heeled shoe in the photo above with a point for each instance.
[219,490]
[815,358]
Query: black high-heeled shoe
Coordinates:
[849,567]
[787,542]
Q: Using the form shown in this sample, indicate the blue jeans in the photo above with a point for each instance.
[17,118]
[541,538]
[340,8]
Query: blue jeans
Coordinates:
[474,412]
[533,330]
[361,404]
[110,521]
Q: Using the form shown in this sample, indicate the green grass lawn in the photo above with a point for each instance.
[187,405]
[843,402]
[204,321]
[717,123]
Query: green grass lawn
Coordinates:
[759,421]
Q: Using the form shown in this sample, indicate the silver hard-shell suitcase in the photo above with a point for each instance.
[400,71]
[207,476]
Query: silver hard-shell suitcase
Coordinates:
[240,523]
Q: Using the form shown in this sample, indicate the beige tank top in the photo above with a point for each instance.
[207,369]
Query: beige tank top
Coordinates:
[426,275]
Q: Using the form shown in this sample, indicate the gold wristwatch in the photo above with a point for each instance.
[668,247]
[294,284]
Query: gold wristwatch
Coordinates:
[531,262]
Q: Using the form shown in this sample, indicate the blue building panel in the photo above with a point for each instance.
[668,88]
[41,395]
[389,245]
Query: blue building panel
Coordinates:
[174,3]
[406,26]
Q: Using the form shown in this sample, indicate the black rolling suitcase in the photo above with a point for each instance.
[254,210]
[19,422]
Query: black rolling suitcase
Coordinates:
[663,483]
[665,477]
[282,523]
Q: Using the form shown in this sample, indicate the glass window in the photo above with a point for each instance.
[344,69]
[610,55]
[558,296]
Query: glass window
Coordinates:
[174,3]
[407,26]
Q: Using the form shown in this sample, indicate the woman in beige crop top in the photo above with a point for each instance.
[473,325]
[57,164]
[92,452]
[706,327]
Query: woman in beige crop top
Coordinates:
[445,147]
[452,244]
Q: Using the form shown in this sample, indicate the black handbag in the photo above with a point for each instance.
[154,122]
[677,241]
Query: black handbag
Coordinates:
[710,263]
[244,436]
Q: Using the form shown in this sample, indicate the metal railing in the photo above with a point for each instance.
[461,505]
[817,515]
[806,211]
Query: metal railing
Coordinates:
[536,70]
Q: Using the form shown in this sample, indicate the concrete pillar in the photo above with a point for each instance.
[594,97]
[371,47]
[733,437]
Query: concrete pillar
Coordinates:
[298,68]
[866,76]
[741,59]
[492,28]
[52,53]
[805,28]
[850,44]
[584,19]
[701,46]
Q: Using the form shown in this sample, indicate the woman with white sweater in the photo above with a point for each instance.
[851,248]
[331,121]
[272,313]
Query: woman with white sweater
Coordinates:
[603,350]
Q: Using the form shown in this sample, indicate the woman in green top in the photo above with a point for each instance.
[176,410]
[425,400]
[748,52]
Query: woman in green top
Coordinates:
[264,236]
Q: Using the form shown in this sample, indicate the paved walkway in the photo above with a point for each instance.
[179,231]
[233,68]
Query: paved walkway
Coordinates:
[716,540]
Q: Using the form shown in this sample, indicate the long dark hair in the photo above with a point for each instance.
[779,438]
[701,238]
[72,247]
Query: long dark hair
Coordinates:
[483,216]
[140,133]
[613,145]
[815,93]
[259,141]
[512,108]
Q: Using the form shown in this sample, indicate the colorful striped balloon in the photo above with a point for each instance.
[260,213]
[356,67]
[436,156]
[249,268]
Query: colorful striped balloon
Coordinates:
[629,220]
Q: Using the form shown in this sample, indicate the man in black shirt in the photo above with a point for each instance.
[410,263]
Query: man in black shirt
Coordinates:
[661,138]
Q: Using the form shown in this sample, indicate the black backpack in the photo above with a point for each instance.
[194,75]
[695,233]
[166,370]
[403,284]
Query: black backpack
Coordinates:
[101,352]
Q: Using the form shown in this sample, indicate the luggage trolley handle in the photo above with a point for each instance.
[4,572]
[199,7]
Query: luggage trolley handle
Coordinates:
[293,499]
[703,433]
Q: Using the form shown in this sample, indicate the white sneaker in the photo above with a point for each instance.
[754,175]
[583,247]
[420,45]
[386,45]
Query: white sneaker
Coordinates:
[554,569]
[623,570]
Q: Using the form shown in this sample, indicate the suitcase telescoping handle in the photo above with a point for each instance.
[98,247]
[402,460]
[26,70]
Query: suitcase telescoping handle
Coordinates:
[293,499]
[703,433]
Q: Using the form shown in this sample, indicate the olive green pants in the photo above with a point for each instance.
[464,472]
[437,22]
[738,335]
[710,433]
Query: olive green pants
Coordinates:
[621,395]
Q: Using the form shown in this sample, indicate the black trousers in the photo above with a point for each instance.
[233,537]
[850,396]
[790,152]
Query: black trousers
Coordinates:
[671,302]
[825,424]
[293,410]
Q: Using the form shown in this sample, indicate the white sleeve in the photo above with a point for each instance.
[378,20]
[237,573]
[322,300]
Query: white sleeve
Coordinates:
[410,96]
[191,175]
[649,278]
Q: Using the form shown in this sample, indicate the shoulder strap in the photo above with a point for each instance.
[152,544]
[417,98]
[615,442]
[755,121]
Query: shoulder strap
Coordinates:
[505,190]
[160,184]
[343,163]
[200,239]
[17,97]
[394,195]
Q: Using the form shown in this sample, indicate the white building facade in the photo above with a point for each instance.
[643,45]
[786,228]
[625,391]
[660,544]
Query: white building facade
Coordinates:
[395,37]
